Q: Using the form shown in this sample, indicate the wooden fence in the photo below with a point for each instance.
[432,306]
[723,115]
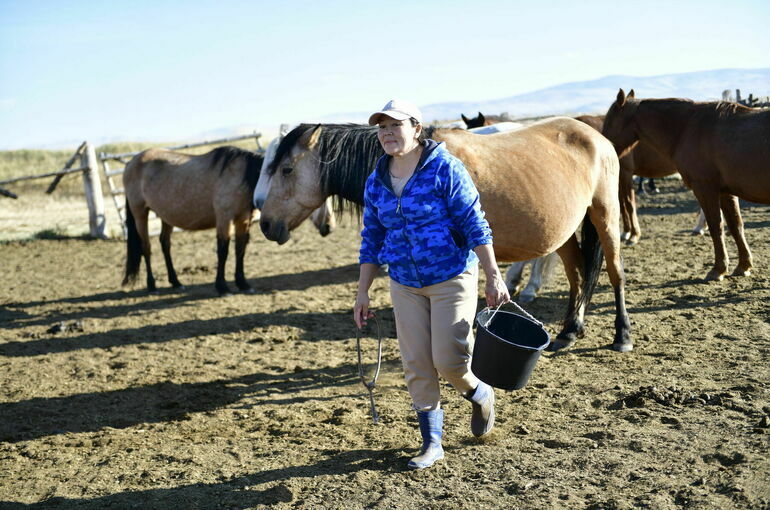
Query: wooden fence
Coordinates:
[89,168]
[92,186]
[751,101]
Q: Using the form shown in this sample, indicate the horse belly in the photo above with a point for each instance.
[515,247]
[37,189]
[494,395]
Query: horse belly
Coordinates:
[528,224]
[180,204]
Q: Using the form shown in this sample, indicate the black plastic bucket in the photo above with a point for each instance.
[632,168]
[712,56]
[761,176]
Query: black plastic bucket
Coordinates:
[507,348]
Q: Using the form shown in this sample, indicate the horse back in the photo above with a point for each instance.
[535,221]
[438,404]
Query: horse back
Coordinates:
[545,176]
[188,191]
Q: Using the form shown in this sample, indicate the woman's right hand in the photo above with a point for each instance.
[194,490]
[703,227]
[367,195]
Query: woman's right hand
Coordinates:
[361,310]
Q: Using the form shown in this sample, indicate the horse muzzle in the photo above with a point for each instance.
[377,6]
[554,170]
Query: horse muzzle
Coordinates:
[275,230]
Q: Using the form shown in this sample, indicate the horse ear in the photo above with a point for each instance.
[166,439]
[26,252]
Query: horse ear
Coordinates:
[630,94]
[621,99]
[481,117]
[465,119]
[310,138]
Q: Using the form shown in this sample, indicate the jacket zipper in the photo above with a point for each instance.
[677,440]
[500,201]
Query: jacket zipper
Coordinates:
[400,212]
[403,231]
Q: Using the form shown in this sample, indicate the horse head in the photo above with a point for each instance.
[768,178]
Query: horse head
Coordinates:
[324,219]
[289,190]
[477,121]
[619,126]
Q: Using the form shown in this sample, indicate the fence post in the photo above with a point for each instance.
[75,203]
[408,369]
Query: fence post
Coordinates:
[97,222]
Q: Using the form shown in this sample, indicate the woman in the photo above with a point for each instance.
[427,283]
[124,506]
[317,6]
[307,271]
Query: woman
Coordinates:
[423,219]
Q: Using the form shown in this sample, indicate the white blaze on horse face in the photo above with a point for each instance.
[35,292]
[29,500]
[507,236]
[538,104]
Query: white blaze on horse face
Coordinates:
[263,184]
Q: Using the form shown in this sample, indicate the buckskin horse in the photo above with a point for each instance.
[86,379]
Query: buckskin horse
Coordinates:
[537,184]
[721,150]
[212,190]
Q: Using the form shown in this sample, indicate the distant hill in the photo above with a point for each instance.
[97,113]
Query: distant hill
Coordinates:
[595,96]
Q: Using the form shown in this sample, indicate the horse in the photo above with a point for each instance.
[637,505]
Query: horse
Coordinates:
[644,161]
[721,150]
[323,218]
[542,267]
[483,120]
[537,184]
[212,190]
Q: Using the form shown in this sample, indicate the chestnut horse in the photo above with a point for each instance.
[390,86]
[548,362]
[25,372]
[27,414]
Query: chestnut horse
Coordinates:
[644,161]
[537,184]
[193,193]
[720,149]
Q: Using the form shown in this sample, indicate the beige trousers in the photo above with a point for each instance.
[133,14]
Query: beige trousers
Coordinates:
[434,327]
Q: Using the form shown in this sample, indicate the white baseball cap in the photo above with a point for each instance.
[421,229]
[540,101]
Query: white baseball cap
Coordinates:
[397,109]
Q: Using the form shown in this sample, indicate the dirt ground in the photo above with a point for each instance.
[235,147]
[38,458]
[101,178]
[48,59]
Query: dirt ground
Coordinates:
[113,398]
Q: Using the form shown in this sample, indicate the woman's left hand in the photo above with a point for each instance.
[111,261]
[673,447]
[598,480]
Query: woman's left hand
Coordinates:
[496,291]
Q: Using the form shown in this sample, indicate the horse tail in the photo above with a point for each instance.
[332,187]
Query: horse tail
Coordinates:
[133,247]
[593,256]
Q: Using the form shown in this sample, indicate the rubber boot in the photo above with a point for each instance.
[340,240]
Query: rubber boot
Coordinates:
[431,429]
[483,416]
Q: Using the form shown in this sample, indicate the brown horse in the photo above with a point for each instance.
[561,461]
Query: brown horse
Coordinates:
[194,193]
[537,185]
[721,150]
[644,161]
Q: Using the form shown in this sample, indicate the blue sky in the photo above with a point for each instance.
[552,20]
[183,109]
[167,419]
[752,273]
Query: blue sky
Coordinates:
[171,70]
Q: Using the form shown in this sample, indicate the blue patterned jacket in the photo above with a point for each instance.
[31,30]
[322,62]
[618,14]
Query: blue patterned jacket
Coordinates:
[427,236]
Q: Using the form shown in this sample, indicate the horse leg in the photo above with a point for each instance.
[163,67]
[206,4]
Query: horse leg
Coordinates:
[602,216]
[732,214]
[541,269]
[709,202]
[144,234]
[223,247]
[241,240]
[631,230]
[573,326]
[165,244]
[651,186]
[513,276]
[700,225]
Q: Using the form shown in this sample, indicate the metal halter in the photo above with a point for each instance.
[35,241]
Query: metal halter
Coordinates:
[369,385]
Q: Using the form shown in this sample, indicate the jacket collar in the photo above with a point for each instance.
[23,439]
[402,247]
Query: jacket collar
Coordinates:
[430,149]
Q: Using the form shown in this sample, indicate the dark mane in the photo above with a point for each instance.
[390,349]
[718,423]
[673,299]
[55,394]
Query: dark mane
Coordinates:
[221,157]
[347,154]
[721,108]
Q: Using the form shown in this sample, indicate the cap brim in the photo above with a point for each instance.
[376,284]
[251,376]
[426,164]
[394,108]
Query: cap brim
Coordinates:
[393,114]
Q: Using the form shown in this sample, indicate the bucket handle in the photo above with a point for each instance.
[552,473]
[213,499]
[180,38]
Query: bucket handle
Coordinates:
[523,311]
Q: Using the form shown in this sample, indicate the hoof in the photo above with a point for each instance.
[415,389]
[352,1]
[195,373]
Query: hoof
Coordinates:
[714,276]
[248,290]
[561,343]
[632,241]
[741,272]
[623,347]
[697,232]
[526,298]
[625,236]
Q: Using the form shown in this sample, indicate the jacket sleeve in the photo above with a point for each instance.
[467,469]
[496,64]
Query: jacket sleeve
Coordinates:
[373,234]
[464,206]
